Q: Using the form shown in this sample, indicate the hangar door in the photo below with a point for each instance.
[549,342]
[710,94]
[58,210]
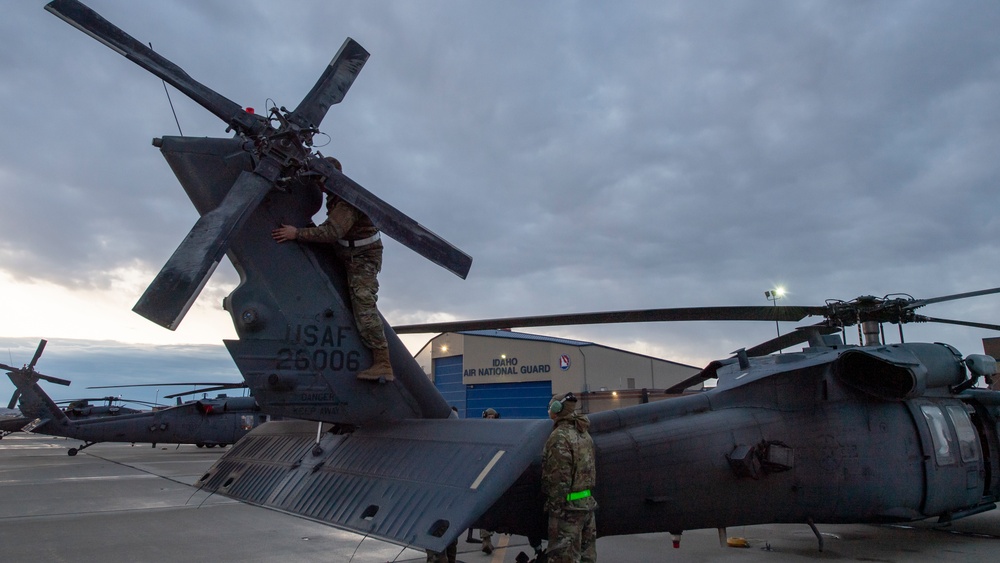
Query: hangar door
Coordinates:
[448,380]
[528,399]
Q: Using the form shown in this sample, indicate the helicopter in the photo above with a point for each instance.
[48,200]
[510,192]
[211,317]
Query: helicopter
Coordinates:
[205,422]
[833,433]
[74,409]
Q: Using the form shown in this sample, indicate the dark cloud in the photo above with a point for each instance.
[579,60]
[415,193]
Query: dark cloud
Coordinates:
[641,154]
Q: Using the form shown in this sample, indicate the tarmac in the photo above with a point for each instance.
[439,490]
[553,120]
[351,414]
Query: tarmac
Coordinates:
[118,502]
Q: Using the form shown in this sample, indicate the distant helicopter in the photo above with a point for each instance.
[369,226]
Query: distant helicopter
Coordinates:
[206,422]
[832,434]
[74,409]
[113,406]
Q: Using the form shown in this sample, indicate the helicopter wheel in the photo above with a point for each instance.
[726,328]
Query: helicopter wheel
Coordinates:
[200,445]
[72,452]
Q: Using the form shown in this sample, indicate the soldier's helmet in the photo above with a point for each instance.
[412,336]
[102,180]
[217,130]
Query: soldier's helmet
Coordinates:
[563,404]
[491,413]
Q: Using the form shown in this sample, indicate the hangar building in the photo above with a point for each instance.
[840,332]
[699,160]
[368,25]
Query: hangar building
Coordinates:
[517,373]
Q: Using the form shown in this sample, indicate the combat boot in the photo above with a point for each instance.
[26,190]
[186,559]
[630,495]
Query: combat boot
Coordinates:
[381,367]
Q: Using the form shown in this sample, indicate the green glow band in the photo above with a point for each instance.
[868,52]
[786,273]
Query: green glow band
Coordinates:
[578,495]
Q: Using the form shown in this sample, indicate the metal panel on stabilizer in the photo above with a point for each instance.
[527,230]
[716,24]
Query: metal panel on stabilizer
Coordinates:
[417,482]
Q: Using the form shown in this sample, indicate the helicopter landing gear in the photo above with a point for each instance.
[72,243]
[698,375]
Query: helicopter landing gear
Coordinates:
[73,451]
[819,536]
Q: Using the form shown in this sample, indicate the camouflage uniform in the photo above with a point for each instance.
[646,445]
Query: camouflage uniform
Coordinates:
[363,263]
[568,467]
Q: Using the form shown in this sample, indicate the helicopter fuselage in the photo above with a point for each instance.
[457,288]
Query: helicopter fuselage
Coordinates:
[787,439]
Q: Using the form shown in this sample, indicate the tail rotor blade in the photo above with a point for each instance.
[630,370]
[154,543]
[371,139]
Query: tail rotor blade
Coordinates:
[90,22]
[173,291]
[51,379]
[394,222]
[38,354]
[332,85]
[14,398]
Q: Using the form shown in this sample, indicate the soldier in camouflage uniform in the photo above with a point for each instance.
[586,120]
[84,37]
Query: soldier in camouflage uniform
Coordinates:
[358,245]
[568,475]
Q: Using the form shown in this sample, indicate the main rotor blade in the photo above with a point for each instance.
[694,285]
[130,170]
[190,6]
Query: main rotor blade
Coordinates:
[960,323]
[746,313]
[922,302]
[80,399]
[91,23]
[203,390]
[14,398]
[394,222]
[332,85]
[700,377]
[38,354]
[173,291]
[231,384]
[798,336]
[775,344]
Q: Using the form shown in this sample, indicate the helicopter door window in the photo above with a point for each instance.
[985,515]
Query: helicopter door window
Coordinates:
[940,435]
[967,445]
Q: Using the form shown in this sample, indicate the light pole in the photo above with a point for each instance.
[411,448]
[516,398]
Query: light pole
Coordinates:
[773,295]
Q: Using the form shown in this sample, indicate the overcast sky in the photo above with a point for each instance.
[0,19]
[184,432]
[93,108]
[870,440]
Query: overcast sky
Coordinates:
[589,156]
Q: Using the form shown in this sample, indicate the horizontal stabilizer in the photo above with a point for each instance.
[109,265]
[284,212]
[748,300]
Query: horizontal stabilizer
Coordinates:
[37,423]
[420,483]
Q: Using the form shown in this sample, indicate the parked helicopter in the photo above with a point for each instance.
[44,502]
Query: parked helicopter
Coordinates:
[75,409]
[206,422]
[832,434]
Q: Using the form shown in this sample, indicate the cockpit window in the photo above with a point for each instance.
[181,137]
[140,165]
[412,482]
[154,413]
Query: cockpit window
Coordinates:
[940,435]
[967,444]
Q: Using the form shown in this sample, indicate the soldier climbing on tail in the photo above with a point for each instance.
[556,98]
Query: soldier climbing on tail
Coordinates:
[359,247]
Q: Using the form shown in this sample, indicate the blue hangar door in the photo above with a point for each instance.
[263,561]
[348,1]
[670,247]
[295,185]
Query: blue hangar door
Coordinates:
[448,380]
[529,399]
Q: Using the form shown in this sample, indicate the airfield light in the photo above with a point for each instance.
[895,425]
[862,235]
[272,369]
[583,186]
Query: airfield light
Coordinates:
[773,295]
